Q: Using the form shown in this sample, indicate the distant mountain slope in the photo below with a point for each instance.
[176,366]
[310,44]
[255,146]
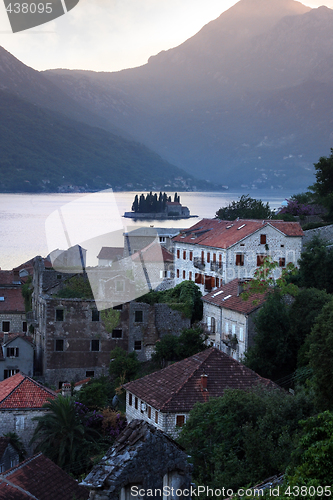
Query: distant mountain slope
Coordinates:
[241,100]
[41,151]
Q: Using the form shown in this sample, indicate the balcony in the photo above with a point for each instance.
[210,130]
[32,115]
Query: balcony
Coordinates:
[197,262]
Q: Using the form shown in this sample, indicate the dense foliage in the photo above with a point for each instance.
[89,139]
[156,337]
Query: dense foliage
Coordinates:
[323,187]
[243,437]
[97,393]
[245,208]
[172,348]
[151,203]
[184,297]
[76,287]
[123,365]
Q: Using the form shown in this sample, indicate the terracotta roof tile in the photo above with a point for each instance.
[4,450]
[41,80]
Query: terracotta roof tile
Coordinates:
[11,300]
[177,388]
[227,297]
[218,233]
[21,391]
[40,478]
[9,278]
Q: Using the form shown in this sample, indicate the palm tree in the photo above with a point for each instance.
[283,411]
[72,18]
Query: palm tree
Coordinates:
[64,436]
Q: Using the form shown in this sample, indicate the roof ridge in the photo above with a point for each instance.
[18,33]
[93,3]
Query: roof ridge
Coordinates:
[21,464]
[14,388]
[190,376]
[15,486]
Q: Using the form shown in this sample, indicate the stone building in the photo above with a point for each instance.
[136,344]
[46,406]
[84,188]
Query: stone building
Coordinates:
[21,399]
[166,397]
[142,462]
[228,319]
[9,456]
[214,252]
[140,238]
[149,323]
[12,310]
[16,355]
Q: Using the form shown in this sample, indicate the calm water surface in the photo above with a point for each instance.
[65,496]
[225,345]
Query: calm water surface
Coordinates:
[23,217]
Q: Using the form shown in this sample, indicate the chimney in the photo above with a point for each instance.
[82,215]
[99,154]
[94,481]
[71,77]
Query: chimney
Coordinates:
[204,378]
[66,389]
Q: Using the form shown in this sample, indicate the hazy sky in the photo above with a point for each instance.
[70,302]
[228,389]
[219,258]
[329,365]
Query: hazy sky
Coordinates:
[109,35]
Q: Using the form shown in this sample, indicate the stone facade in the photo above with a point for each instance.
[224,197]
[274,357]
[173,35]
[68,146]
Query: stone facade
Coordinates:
[149,323]
[17,322]
[210,267]
[325,233]
[142,462]
[20,421]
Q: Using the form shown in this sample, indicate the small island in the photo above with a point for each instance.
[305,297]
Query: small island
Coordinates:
[154,206]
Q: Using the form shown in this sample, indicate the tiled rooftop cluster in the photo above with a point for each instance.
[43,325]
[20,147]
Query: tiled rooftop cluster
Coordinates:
[21,391]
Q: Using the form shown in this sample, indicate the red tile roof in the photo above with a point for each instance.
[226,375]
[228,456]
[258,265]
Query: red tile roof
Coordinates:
[9,277]
[12,300]
[223,234]
[21,391]
[227,297]
[178,387]
[41,479]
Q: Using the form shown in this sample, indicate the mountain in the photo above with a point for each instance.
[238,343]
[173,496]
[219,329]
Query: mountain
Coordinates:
[246,100]
[42,151]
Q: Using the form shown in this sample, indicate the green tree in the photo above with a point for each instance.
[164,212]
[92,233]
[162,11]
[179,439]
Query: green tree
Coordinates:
[243,437]
[245,208]
[321,355]
[135,205]
[110,318]
[316,266]
[97,393]
[323,187]
[173,348]
[76,287]
[270,356]
[62,435]
[17,442]
[123,365]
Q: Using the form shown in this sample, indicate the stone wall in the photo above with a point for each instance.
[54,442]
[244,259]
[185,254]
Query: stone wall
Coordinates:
[20,421]
[325,233]
[16,321]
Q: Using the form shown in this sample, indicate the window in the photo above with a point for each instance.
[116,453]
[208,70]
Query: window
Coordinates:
[241,334]
[59,345]
[177,273]
[138,317]
[239,259]
[263,239]
[59,315]
[136,403]
[95,345]
[282,262]
[130,399]
[214,257]
[12,352]
[260,259]
[184,254]
[217,282]
[149,411]
[120,286]
[282,246]
[208,257]
[90,373]
[94,315]
[59,276]
[178,253]
[137,345]
[190,275]
[24,327]
[191,255]
[180,420]
[162,239]
[226,327]
[156,417]
[117,333]
[184,275]
[220,260]
[6,326]
[9,373]
[202,257]
[233,329]
[19,422]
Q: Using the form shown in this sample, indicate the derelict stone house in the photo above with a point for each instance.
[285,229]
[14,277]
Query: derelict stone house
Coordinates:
[71,340]
[12,310]
[228,320]
[142,461]
[166,397]
[214,252]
